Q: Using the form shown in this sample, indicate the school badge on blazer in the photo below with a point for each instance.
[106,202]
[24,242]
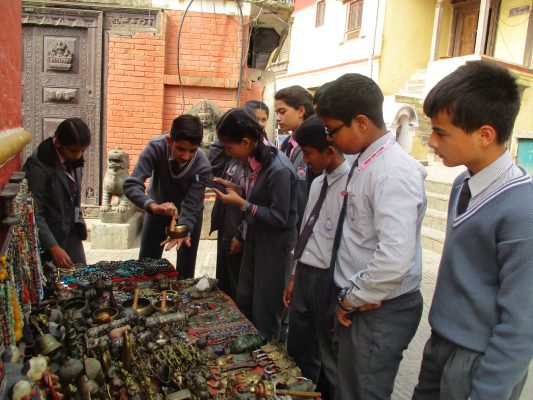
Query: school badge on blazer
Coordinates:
[302,173]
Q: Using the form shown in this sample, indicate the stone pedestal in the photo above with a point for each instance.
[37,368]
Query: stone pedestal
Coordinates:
[113,236]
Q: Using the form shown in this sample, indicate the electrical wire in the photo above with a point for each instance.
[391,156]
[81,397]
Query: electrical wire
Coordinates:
[178,57]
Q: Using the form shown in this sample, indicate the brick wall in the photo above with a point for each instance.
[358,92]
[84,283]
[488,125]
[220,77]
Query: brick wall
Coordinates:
[143,91]
[10,76]
[134,91]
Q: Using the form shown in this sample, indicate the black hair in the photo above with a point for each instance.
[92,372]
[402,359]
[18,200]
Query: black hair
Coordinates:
[73,131]
[187,127]
[238,123]
[476,94]
[257,105]
[296,97]
[319,92]
[312,133]
[352,95]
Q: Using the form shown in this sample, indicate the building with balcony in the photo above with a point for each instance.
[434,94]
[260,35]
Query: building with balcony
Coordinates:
[407,46]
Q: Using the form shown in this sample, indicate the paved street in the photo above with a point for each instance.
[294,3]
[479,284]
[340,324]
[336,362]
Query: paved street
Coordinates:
[408,374]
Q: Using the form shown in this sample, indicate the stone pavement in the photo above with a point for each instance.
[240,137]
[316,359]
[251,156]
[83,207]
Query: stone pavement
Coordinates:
[408,373]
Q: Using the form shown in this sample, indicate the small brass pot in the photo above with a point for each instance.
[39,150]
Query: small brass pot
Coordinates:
[105,315]
[171,306]
[179,231]
[144,307]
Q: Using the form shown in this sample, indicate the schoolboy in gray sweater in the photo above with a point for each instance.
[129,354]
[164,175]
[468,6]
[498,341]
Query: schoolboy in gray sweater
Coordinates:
[482,329]
[171,161]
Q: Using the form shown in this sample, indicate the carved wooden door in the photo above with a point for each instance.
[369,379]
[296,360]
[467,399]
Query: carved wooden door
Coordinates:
[62,68]
[466,16]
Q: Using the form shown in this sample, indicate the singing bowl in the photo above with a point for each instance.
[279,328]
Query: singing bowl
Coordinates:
[74,303]
[105,315]
[180,231]
[144,307]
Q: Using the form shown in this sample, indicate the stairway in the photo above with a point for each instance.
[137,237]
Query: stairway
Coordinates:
[414,87]
[434,224]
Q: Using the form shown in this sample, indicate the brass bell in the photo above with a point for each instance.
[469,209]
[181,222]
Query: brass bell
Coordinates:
[47,343]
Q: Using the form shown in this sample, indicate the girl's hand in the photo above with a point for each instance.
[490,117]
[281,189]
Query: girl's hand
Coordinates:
[230,185]
[231,198]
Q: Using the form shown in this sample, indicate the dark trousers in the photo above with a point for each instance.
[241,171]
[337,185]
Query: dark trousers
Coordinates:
[265,268]
[228,268]
[312,317]
[154,233]
[370,350]
[447,371]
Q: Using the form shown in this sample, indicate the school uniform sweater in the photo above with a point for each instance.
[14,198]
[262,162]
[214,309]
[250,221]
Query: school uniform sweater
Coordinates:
[272,196]
[169,181]
[483,296]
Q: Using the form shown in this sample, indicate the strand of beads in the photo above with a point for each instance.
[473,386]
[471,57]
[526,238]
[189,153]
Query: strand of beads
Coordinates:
[4,316]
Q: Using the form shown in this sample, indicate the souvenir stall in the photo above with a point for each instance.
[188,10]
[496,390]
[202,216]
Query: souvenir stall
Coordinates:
[124,329]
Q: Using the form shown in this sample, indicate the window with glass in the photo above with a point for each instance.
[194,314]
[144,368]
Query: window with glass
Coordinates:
[320,13]
[353,23]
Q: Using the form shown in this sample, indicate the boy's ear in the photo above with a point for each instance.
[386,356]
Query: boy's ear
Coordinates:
[331,150]
[487,135]
[169,139]
[361,121]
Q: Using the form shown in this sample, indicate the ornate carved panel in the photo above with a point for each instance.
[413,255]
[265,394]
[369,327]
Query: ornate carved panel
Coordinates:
[60,54]
[60,95]
[62,78]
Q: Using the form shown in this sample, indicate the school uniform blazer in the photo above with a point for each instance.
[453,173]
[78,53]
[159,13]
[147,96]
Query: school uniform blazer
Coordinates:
[54,208]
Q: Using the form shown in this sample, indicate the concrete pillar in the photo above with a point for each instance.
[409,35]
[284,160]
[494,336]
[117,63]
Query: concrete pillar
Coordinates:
[437,28]
[482,24]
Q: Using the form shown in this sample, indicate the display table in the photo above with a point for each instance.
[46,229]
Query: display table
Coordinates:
[146,337]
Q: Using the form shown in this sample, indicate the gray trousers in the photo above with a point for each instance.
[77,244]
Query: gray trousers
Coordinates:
[312,317]
[447,371]
[370,351]
[265,268]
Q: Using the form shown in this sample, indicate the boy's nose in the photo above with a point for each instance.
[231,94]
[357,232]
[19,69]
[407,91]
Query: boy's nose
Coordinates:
[432,141]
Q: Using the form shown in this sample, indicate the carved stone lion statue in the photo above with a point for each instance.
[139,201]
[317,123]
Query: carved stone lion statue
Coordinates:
[113,198]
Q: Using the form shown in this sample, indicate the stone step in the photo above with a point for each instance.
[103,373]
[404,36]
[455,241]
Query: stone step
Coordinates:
[438,187]
[432,239]
[437,201]
[435,220]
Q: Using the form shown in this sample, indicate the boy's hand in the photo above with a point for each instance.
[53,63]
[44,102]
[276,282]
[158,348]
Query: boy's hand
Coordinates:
[287,292]
[344,317]
[168,209]
[170,243]
[229,185]
[236,246]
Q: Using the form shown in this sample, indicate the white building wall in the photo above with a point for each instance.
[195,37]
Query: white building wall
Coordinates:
[321,54]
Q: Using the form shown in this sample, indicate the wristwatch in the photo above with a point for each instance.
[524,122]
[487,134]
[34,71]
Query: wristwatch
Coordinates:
[340,300]
[245,207]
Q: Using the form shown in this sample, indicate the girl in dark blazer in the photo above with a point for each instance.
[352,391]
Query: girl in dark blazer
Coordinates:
[54,173]
[268,202]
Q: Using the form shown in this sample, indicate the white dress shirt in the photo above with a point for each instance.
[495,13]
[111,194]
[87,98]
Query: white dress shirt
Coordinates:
[317,252]
[380,253]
